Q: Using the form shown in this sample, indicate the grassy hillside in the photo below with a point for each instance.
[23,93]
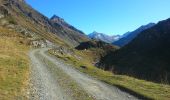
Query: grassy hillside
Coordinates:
[140,88]
[14,65]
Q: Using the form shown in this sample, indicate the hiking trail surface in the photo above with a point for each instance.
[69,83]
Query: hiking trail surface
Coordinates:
[53,79]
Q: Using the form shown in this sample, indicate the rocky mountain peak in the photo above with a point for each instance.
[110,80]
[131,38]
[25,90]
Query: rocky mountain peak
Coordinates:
[95,32]
[56,19]
[61,22]
[103,37]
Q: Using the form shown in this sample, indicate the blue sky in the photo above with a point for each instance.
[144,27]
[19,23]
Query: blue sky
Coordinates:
[106,16]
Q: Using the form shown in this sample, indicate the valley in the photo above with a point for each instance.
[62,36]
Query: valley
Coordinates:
[46,58]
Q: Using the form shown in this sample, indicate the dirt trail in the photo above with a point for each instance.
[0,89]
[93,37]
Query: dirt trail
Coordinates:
[47,88]
[44,87]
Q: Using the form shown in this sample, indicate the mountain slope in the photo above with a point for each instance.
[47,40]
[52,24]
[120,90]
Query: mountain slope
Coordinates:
[73,34]
[129,36]
[146,57]
[60,21]
[103,37]
[28,18]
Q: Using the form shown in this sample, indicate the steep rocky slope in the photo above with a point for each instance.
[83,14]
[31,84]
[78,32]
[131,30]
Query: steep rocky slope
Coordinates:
[21,14]
[68,32]
[61,22]
[146,57]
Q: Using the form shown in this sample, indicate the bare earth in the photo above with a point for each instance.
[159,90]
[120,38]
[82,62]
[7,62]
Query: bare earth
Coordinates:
[44,84]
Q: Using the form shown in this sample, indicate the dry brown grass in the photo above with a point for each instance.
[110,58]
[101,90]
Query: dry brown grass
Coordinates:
[14,70]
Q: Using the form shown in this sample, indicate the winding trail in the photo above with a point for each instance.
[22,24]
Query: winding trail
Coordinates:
[46,87]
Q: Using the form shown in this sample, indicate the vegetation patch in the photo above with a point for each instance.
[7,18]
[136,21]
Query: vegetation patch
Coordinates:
[14,65]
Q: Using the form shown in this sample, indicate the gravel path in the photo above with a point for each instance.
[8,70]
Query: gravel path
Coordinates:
[46,88]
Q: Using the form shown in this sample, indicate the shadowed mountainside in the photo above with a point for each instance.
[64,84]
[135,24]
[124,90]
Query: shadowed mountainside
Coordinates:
[146,57]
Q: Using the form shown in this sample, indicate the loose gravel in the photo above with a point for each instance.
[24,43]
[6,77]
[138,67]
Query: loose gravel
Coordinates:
[46,86]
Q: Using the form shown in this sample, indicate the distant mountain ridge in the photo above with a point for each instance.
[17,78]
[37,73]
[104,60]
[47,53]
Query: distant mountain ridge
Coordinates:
[129,36]
[103,37]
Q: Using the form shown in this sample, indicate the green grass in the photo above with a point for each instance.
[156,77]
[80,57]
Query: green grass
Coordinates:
[14,70]
[141,88]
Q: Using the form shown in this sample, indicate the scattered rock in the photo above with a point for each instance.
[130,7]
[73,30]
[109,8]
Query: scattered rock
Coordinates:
[84,67]
[39,43]
[64,51]
[3,12]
